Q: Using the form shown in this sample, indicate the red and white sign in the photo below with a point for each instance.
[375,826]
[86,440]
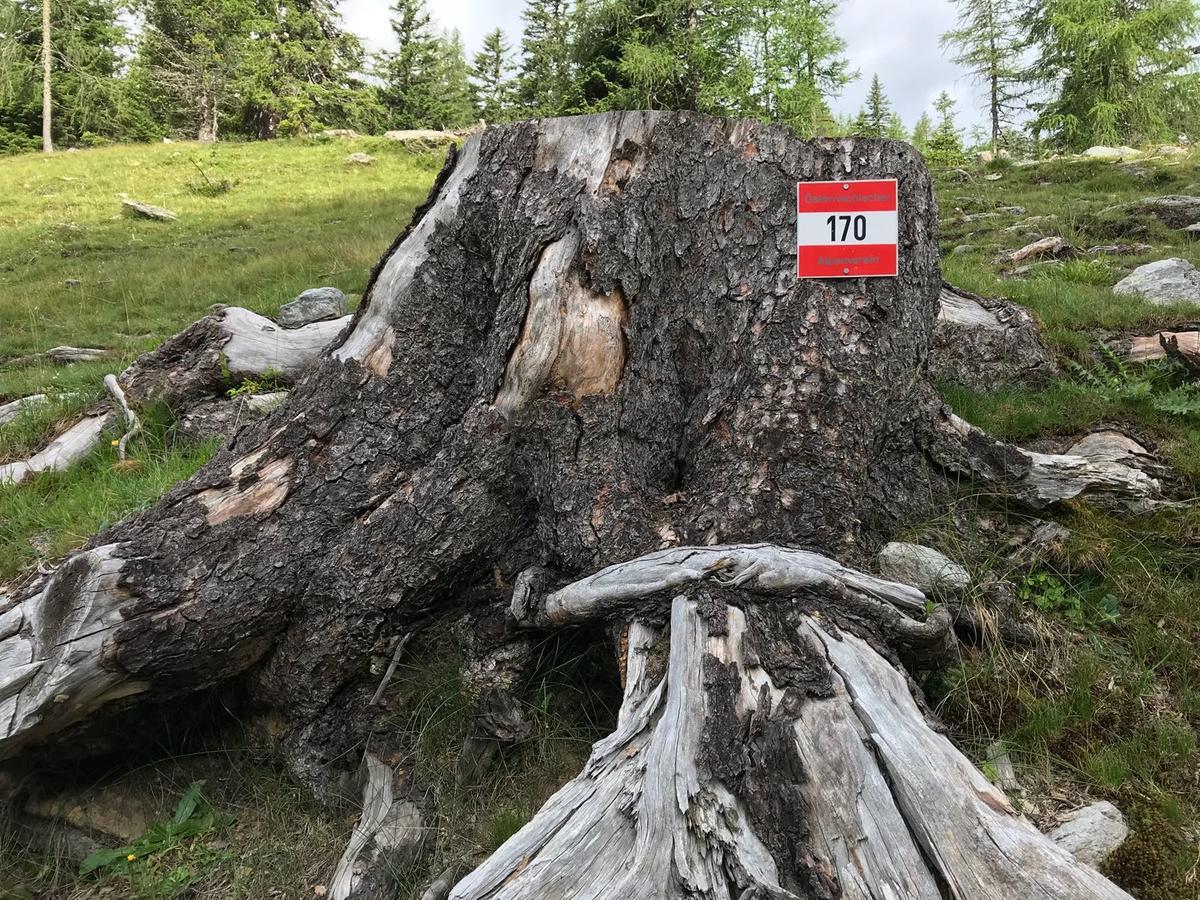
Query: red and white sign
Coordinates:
[847,229]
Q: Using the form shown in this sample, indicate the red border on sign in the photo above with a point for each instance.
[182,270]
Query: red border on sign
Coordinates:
[878,260]
[847,196]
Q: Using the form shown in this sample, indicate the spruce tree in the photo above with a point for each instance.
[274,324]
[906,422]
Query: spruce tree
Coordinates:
[425,79]
[88,45]
[989,41]
[190,51]
[491,81]
[945,144]
[303,73]
[876,119]
[544,82]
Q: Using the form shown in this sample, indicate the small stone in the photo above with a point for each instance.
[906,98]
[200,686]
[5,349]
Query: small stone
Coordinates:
[360,159]
[1163,282]
[922,567]
[313,305]
[961,249]
[72,282]
[147,210]
[993,176]
[1091,833]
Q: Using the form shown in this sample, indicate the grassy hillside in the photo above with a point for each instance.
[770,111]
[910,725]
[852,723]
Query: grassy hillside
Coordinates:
[1108,706]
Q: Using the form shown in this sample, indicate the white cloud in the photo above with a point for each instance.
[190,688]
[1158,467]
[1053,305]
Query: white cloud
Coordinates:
[898,39]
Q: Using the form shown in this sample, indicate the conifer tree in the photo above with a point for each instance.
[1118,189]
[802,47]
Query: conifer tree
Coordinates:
[491,80]
[544,82]
[989,41]
[1119,71]
[945,144]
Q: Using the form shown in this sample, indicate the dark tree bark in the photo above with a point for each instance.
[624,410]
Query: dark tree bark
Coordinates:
[590,344]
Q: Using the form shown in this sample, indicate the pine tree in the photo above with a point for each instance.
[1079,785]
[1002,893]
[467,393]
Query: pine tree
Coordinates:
[490,73]
[1121,71]
[544,82]
[945,144]
[989,41]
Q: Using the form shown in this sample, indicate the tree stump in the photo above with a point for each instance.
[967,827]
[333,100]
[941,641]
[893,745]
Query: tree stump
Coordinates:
[589,346]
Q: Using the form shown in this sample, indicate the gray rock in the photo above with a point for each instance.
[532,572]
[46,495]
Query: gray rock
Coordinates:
[1173,210]
[1090,834]
[1162,282]
[961,249]
[985,343]
[922,567]
[360,159]
[420,136]
[313,305]
[1113,154]
[147,210]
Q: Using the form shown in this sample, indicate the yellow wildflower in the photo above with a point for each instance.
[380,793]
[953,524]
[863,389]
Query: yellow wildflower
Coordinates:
[131,857]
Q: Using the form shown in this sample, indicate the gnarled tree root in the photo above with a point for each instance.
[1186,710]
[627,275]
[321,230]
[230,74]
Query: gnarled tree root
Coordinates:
[778,755]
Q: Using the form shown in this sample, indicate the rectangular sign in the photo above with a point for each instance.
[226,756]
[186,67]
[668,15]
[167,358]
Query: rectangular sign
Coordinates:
[847,229]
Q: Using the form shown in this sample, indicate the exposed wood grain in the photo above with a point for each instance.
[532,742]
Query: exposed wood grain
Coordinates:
[64,450]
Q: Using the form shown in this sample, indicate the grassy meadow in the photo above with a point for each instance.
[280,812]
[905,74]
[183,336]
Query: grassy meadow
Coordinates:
[1108,706]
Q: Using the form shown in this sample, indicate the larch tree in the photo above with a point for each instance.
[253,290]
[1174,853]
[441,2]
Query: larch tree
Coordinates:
[989,42]
[1118,71]
[798,61]
[922,132]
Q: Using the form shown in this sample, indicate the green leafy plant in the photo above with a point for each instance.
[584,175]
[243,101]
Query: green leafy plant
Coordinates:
[193,817]
[270,380]
[1113,378]
[1054,597]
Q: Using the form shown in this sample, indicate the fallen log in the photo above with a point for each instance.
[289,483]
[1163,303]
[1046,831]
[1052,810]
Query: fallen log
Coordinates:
[228,346]
[67,448]
[587,347]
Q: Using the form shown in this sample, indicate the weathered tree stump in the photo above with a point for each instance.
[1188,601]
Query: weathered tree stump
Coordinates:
[589,346]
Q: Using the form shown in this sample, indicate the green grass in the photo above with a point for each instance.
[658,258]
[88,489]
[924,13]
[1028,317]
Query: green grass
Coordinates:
[75,270]
[297,216]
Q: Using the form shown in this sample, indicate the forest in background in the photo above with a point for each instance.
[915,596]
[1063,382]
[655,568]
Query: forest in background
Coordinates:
[1055,75]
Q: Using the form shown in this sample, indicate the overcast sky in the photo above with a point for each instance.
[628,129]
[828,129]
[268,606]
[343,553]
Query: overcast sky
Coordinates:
[896,38]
